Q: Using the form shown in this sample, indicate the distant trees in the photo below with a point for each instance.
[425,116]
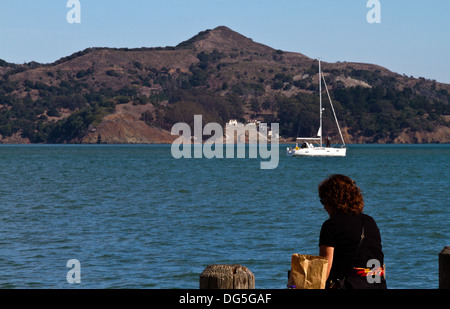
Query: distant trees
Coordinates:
[220,86]
[112,73]
[376,112]
[200,71]
[184,104]
[74,126]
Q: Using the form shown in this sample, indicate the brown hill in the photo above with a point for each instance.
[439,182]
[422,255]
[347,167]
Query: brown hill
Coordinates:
[136,95]
[126,126]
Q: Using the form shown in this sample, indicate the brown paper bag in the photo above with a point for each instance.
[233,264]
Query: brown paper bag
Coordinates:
[308,272]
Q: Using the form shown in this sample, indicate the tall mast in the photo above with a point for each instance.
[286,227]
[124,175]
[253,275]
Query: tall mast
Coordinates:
[320,96]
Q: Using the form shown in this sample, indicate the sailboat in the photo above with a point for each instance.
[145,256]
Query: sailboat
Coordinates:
[313,146]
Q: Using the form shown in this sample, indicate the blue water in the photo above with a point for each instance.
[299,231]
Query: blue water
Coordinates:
[135,217]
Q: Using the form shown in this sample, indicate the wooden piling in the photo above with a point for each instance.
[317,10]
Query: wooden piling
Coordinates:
[227,277]
[444,268]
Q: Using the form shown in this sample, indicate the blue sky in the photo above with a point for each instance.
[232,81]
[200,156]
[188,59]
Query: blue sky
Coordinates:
[413,37]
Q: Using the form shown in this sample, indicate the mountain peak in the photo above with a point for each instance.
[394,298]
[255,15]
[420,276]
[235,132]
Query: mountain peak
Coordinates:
[223,38]
[223,29]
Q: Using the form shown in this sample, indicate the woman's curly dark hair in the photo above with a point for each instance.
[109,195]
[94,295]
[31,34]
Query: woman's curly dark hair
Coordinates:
[340,195]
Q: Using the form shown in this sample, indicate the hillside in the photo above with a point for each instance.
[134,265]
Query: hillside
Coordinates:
[124,95]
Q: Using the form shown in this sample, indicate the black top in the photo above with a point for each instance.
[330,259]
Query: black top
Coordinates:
[343,232]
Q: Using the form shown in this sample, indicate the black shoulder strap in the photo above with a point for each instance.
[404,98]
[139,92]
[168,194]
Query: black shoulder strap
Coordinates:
[360,242]
[361,239]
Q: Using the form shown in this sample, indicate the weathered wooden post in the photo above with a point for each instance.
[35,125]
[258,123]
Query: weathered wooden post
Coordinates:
[227,277]
[444,268]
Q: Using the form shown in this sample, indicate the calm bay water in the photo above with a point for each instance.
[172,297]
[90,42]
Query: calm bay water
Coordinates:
[137,218]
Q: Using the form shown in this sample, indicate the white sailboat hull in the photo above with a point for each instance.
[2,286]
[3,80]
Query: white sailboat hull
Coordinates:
[316,152]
